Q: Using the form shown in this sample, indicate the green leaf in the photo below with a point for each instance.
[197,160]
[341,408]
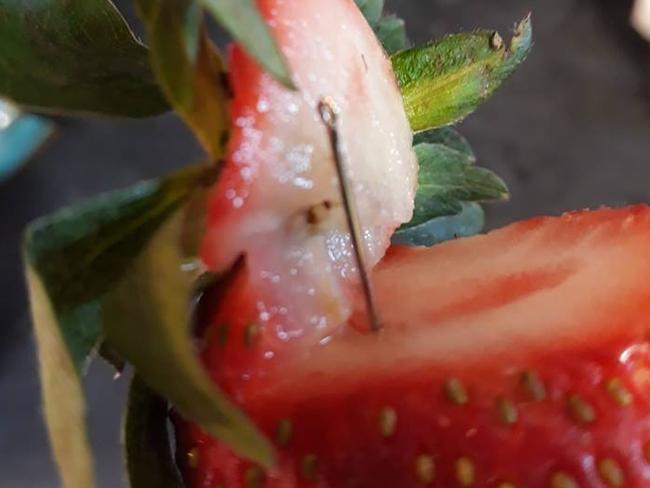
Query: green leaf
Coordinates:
[468,222]
[173,33]
[73,259]
[446,80]
[74,56]
[372,10]
[245,24]
[446,179]
[391,31]
[148,320]
[447,137]
[80,252]
[189,69]
[149,459]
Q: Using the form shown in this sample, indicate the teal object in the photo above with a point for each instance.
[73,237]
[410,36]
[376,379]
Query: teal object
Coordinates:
[20,139]
[468,222]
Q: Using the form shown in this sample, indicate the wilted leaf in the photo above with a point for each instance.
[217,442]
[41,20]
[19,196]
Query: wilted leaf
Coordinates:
[73,260]
[189,69]
[63,401]
[245,24]
[446,179]
[149,459]
[446,80]
[147,321]
[468,222]
[74,56]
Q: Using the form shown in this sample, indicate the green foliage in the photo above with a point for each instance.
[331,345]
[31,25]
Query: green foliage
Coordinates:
[446,179]
[80,253]
[147,319]
[189,69]
[468,222]
[446,80]
[73,260]
[390,29]
[173,34]
[372,10]
[449,189]
[244,23]
[78,56]
[447,137]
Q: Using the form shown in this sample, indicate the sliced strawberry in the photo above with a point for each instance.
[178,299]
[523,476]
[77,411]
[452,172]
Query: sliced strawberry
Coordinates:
[519,358]
[278,197]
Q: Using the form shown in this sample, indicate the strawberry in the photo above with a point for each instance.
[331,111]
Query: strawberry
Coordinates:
[514,359]
[278,198]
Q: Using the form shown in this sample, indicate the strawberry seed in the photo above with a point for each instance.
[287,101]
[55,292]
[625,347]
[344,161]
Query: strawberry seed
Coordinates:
[425,469]
[507,411]
[284,432]
[610,472]
[309,467]
[562,480]
[387,421]
[533,385]
[617,390]
[465,471]
[581,411]
[456,392]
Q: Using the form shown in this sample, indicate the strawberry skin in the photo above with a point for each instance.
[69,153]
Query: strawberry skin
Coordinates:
[515,359]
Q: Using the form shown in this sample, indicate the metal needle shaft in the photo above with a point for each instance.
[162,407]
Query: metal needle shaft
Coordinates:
[329,114]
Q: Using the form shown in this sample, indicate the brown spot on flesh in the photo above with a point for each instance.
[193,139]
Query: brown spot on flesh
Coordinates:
[250,334]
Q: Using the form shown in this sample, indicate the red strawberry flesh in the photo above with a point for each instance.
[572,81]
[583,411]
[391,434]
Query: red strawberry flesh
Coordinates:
[517,357]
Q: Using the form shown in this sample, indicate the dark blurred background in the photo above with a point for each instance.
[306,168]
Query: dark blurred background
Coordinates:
[570,130]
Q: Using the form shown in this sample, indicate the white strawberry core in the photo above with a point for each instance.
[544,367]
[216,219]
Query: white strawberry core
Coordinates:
[304,271]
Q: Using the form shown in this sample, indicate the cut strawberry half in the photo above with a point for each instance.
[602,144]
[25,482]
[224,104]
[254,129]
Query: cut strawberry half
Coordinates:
[515,359]
[278,198]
